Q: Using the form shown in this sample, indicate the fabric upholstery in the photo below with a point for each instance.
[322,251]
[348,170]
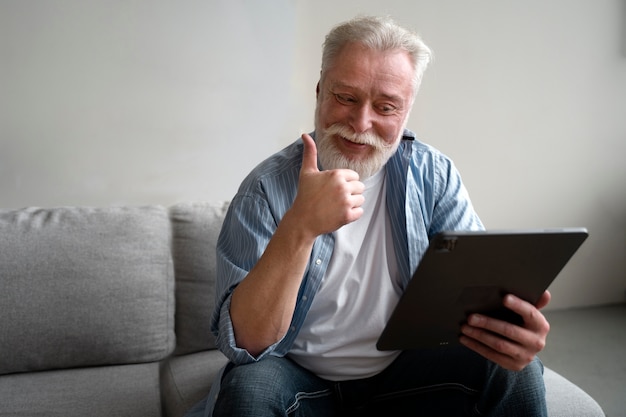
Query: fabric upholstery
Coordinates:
[88,320]
[120,391]
[195,228]
[85,286]
[187,379]
[565,399]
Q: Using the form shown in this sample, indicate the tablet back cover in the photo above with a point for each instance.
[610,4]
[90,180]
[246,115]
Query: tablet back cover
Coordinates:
[470,272]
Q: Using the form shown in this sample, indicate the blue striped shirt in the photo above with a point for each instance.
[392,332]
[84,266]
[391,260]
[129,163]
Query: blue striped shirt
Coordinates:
[425,195]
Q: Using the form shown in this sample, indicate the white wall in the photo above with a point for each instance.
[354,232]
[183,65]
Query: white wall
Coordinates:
[110,102]
[118,102]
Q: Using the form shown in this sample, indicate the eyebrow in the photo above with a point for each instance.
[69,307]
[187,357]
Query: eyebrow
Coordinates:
[392,97]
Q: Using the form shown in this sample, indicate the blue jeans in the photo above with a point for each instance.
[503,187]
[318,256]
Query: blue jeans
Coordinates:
[451,381]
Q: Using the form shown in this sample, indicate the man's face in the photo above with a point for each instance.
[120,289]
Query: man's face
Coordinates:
[363,103]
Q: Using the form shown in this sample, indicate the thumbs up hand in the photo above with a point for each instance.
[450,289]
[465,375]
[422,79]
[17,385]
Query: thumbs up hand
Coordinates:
[326,200]
[309,155]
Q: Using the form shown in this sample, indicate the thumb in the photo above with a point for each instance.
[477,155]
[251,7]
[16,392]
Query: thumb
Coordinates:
[309,155]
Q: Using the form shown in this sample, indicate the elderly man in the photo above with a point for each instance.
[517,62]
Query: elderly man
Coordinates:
[320,242]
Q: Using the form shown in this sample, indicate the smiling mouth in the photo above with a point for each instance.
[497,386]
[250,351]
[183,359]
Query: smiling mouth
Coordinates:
[353,150]
[351,142]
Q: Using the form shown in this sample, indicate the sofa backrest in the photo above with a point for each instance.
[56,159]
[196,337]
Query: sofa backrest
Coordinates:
[85,287]
[195,229]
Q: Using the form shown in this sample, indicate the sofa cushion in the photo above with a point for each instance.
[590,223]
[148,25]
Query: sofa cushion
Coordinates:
[85,287]
[187,379]
[195,228]
[565,399]
[121,391]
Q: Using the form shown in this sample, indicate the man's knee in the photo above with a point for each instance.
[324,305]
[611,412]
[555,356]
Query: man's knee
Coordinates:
[533,378]
[258,383]
[516,393]
[273,385]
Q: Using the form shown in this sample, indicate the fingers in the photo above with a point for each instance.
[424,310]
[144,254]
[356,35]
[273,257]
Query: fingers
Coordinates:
[505,353]
[511,346]
[309,155]
[532,317]
[544,300]
[326,200]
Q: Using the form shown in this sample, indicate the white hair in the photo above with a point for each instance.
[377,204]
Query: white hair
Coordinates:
[378,33]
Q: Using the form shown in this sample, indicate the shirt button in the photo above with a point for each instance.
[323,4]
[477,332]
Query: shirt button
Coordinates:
[318,262]
[304,298]
[293,328]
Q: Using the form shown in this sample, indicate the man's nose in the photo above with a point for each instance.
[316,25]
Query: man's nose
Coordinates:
[361,118]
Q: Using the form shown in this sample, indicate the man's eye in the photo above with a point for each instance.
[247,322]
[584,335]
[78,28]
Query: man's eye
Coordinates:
[344,99]
[386,108]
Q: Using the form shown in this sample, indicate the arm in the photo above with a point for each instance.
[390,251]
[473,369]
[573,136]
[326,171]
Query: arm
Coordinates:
[263,303]
[512,347]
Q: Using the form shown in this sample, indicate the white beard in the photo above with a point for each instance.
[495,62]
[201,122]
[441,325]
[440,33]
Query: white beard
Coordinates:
[332,158]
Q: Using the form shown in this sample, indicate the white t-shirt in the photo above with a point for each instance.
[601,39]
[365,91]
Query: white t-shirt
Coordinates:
[357,296]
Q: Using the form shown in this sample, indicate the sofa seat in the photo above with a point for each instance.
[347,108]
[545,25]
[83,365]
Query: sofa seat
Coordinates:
[186,379]
[566,399]
[106,312]
[124,390]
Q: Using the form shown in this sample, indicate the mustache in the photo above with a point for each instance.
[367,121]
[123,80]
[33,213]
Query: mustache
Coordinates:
[367,138]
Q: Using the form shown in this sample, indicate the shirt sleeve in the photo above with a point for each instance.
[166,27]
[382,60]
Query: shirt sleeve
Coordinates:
[247,229]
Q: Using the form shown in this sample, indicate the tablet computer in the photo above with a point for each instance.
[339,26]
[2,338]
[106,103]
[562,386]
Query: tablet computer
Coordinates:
[470,272]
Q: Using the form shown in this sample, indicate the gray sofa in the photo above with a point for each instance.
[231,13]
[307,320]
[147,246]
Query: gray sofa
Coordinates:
[105,312]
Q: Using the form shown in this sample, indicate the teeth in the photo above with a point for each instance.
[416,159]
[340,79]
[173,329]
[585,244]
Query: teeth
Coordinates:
[353,141]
